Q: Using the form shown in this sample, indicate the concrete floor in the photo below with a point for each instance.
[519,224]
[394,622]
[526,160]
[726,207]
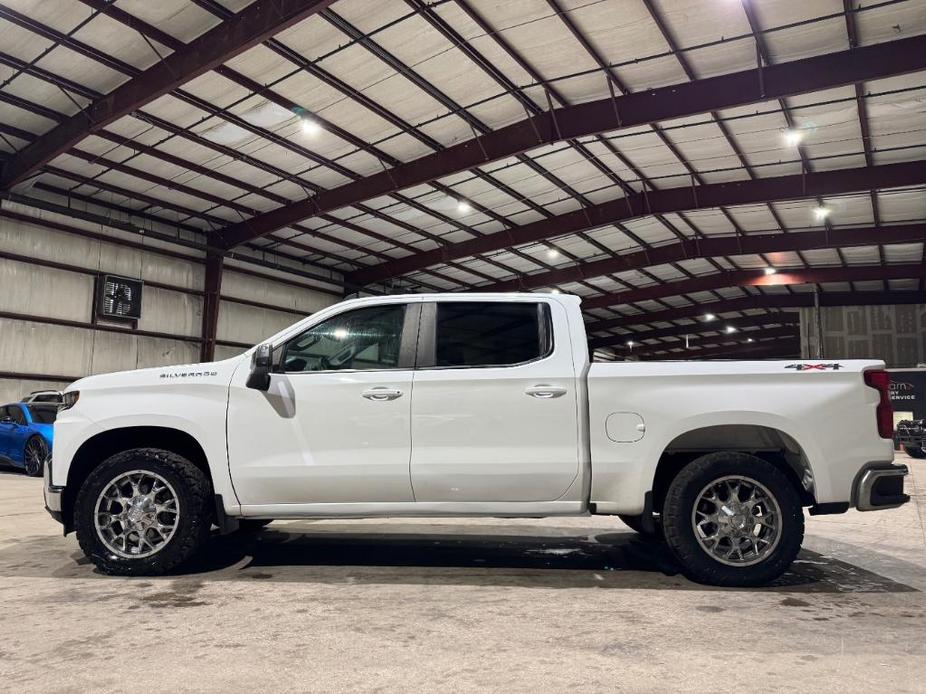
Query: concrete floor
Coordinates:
[464,605]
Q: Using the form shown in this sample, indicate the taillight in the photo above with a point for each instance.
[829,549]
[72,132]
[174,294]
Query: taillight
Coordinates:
[880,380]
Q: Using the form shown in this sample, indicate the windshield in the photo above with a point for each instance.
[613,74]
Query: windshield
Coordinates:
[42,414]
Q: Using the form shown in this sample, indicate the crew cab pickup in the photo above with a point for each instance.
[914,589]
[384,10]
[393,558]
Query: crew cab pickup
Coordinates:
[470,405]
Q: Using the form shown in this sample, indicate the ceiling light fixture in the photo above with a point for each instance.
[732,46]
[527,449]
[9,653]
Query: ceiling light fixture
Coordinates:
[749,339]
[709,316]
[310,127]
[730,330]
[555,291]
[552,253]
[770,271]
[821,213]
[630,343]
[464,207]
[793,137]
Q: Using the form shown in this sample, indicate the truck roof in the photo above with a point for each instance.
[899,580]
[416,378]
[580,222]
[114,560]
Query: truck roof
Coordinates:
[476,296]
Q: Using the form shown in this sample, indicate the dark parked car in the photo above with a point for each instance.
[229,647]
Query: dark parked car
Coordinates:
[26,433]
[911,434]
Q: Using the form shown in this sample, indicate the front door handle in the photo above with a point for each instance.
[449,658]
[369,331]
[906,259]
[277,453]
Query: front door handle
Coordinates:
[545,392]
[382,394]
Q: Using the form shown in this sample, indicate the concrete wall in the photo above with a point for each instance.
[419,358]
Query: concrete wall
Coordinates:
[896,334]
[48,274]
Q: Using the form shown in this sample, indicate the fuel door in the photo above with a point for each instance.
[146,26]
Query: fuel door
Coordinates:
[625,427]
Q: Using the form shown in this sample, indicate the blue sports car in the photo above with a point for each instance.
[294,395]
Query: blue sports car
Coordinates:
[26,434]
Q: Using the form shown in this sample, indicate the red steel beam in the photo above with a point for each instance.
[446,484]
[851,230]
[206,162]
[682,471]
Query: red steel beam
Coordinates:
[212,294]
[666,200]
[757,278]
[767,301]
[595,117]
[244,30]
[715,246]
[102,327]
[695,330]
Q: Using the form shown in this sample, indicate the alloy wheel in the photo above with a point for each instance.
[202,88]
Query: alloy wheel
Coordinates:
[35,454]
[736,521]
[137,514]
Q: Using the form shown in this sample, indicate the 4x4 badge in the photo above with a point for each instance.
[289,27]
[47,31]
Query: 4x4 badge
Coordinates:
[814,367]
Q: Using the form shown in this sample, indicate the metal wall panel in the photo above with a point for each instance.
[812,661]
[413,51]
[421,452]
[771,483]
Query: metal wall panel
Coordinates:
[299,299]
[249,324]
[895,334]
[27,288]
[65,293]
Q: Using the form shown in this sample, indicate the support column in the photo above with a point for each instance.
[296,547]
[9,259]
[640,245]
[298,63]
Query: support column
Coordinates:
[212,287]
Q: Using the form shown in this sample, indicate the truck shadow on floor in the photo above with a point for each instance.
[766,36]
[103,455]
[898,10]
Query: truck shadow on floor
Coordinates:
[605,560]
[443,555]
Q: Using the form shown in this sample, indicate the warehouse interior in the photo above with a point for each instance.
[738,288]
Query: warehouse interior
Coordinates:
[657,164]
[716,179]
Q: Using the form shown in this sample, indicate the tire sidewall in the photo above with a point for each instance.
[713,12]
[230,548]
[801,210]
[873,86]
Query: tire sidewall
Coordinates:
[680,535]
[193,524]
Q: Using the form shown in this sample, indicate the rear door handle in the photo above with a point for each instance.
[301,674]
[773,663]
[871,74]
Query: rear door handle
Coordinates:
[545,392]
[382,393]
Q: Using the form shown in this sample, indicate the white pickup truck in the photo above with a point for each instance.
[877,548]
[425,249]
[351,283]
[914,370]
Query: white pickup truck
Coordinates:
[470,405]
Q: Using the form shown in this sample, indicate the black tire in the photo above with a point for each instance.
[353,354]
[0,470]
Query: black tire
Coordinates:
[35,446]
[635,523]
[253,525]
[194,494]
[914,451]
[679,506]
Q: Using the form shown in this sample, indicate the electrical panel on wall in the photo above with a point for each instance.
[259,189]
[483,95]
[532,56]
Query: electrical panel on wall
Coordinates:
[119,298]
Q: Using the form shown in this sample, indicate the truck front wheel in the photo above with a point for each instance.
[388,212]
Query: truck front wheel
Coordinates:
[143,512]
[733,519]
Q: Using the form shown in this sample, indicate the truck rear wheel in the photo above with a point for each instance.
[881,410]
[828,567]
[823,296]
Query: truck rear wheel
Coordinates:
[914,451]
[733,519]
[143,512]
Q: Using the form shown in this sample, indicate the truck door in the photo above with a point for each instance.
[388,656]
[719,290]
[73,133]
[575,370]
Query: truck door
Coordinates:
[495,411]
[335,425]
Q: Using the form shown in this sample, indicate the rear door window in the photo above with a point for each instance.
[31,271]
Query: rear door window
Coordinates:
[490,333]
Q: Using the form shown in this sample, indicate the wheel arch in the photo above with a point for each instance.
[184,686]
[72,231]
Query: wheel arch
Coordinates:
[763,441]
[101,446]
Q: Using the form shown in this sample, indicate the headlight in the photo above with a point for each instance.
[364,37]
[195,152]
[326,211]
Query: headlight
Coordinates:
[70,399]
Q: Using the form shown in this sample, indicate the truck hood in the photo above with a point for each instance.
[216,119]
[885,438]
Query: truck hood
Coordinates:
[211,373]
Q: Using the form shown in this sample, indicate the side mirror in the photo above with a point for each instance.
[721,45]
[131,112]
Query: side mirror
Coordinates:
[261,363]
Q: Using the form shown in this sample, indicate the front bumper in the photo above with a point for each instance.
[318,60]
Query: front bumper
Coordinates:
[880,487]
[52,496]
